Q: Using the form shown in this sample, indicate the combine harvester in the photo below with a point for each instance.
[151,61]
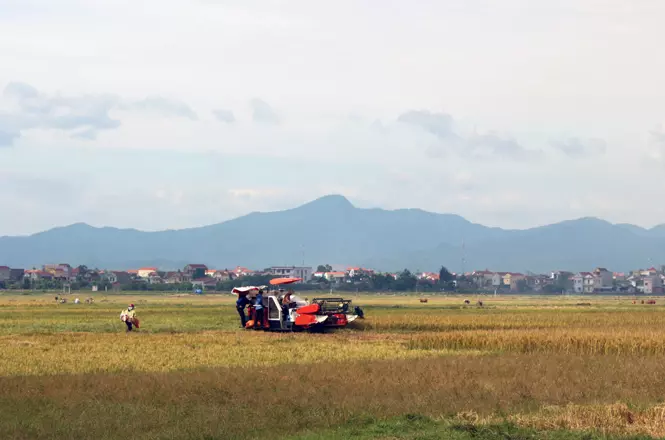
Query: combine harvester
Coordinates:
[319,314]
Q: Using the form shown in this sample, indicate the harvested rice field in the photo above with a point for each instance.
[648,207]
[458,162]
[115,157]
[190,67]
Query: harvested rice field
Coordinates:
[515,368]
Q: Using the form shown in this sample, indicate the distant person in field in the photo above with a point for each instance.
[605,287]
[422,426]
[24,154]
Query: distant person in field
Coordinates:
[129,317]
[241,303]
[258,309]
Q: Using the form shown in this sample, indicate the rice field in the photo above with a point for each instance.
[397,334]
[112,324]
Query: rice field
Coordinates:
[517,367]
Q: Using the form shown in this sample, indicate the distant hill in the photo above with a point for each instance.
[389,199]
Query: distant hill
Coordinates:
[331,230]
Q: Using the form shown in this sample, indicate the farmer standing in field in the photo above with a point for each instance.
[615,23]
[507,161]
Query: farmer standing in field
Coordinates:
[129,317]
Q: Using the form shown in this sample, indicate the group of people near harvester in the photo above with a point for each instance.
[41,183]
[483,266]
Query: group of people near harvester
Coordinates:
[243,301]
[257,301]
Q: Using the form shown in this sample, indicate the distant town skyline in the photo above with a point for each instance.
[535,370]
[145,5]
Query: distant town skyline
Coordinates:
[180,114]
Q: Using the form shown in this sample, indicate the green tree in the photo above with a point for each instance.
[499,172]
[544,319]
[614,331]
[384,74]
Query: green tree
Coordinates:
[445,276]
[324,268]
[379,281]
[406,281]
[83,272]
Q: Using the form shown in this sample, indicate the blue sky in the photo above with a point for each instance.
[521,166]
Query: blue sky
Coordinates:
[175,113]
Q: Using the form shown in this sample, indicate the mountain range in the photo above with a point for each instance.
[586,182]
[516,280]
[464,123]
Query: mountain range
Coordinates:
[331,230]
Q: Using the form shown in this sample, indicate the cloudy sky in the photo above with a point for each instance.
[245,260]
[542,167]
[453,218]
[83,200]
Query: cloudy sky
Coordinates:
[162,114]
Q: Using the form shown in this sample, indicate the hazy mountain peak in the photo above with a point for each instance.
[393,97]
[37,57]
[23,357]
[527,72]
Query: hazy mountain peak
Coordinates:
[583,221]
[74,227]
[333,201]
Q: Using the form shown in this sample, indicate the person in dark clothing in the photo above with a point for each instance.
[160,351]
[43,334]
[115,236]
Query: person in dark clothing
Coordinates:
[241,303]
[258,308]
[358,311]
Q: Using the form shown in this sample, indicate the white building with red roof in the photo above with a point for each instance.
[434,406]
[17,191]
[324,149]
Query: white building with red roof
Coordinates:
[145,272]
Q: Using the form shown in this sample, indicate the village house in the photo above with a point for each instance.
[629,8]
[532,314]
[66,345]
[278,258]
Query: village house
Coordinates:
[59,271]
[483,279]
[205,283]
[117,276]
[171,277]
[155,278]
[335,277]
[109,277]
[516,281]
[540,282]
[511,278]
[219,275]
[530,282]
[240,271]
[176,277]
[619,276]
[625,287]
[359,272]
[16,274]
[583,282]
[603,280]
[145,272]
[560,276]
[73,276]
[5,273]
[428,276]
[36,275]
[305,273]
[652,285]
[648,272]
[196,270]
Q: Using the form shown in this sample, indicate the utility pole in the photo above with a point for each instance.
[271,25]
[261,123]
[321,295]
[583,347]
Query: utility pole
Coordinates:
[463,256]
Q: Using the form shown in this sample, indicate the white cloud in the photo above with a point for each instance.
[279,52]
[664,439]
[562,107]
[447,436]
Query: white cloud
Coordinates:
[262,112]
[224,116]
[164,107]
[574,146]
[25,108]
